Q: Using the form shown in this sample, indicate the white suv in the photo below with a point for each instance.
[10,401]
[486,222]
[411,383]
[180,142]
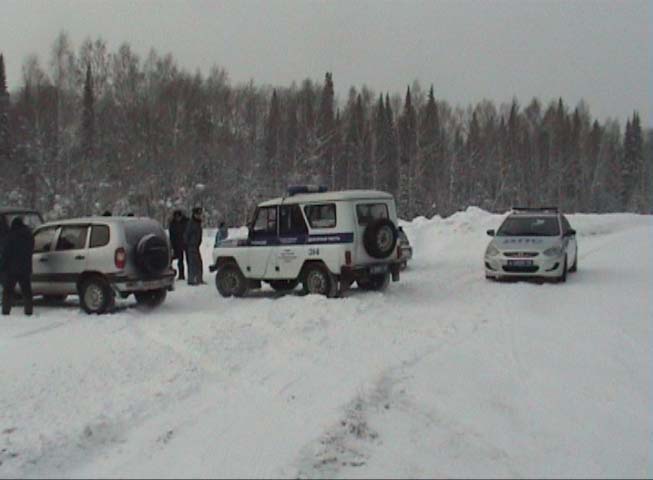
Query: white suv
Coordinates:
[325,240]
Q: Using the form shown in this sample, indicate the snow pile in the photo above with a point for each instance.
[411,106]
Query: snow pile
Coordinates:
[445,374]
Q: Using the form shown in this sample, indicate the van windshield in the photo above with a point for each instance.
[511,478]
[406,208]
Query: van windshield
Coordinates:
[529,227]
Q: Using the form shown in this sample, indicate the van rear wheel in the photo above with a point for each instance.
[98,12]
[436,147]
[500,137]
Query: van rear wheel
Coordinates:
[376,283]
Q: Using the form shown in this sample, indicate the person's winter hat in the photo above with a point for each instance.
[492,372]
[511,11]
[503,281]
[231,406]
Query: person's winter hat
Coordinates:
[197,211]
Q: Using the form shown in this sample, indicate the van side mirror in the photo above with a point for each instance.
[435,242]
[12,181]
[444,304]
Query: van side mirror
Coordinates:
[491,233]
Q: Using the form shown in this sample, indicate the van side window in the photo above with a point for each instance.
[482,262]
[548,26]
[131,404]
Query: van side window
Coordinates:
[43,239]
[99,236]
[368,212]
[72,238]
[321,216]
[291,221]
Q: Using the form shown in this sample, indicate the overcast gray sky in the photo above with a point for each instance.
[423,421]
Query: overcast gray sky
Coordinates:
[599,51]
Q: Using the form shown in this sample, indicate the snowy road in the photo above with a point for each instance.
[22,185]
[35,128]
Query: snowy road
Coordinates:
[445,374]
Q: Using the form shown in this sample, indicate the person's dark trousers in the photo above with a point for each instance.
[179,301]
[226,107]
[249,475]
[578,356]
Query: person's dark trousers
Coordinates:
[180,263]
[9,286]
[194,266]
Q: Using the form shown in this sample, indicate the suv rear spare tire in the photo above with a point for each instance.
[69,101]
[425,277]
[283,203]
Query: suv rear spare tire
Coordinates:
[152,254]
[380,238]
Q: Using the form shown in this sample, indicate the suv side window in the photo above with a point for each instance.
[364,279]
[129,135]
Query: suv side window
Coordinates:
[321,216]
[99,236]
[72,237]
[43,239]
[291,221]
[266,221]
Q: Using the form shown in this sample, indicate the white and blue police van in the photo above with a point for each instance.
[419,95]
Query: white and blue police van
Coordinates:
[323,240]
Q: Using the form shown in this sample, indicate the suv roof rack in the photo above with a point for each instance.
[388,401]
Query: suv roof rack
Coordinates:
[297,189]
[536,209]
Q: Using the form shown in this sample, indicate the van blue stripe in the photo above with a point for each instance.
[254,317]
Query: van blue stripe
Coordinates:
[334,238]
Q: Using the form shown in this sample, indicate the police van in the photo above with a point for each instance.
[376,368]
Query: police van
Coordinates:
[323,240]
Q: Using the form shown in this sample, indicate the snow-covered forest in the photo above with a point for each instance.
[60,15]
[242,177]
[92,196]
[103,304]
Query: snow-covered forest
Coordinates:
[92,130]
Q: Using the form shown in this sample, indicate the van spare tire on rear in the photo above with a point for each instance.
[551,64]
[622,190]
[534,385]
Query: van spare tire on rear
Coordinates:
[152,254]
[380,238]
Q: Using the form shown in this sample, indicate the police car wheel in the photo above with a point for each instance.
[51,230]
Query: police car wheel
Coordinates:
[230,281]
[376,283]
[318,280]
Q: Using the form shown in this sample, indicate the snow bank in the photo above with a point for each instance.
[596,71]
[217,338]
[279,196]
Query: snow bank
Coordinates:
[445,374]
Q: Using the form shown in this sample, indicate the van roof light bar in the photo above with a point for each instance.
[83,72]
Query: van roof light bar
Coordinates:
[298,189]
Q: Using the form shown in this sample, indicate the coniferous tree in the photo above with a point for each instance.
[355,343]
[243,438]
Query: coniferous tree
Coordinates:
[325,131]
[408,148]
[392,151]
[88,119]
[271,168]
[5,149]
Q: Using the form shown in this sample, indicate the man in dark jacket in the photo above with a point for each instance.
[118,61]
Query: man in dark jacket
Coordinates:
[17,265]
[193,240]
[177,229]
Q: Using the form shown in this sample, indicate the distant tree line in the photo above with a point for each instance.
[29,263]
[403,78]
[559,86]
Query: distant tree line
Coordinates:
[98,130]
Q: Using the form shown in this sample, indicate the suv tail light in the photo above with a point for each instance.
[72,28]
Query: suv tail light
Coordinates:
[120,258]
[348,258]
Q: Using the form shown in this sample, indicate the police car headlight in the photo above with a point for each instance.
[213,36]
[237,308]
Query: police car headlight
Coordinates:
[492,251]
[553,252]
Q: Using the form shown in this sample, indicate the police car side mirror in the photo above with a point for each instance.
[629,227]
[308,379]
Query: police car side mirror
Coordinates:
[570,233]
[490,233]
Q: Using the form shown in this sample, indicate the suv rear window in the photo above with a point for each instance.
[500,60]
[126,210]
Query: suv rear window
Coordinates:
[99,236]
[368,212]
[321,216]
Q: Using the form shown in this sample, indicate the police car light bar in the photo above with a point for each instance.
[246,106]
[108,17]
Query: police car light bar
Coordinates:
[536,209]
[297,189]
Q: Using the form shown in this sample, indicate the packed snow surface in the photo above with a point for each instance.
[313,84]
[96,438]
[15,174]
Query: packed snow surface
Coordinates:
[445,374]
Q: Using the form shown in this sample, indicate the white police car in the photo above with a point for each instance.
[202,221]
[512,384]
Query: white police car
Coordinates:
[324,240]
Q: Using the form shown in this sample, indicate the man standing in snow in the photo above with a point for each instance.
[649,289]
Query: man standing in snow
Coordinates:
[193,240]
[177,229]
[17,266]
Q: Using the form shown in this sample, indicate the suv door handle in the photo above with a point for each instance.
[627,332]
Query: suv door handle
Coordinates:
[80,257]
[43,259]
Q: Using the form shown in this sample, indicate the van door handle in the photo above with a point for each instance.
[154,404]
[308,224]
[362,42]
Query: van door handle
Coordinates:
[80,257]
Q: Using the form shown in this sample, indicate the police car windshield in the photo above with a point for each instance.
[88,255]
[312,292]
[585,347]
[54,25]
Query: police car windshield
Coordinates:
[529,227]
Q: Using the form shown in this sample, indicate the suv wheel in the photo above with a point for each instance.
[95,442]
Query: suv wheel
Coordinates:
[230,281]
[283,285]
[375,282]
[151,298]
[96,295]
[318,280]
[380,238]
[574,267]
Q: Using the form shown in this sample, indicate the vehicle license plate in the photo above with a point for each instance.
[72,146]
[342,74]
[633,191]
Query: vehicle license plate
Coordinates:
[378,269]
[520,263]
